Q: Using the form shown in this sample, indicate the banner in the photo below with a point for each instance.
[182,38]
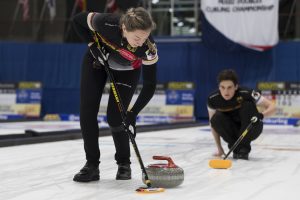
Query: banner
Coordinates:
[25,8]
[20,100]
[172,102]
[81,5]
[51,4]
[286,96]
[249,23]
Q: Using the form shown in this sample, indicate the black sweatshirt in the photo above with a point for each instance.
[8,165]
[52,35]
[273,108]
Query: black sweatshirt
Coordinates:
[121,55]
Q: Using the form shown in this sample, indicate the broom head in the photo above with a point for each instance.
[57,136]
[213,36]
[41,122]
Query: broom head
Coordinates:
[220,164]
[149,190]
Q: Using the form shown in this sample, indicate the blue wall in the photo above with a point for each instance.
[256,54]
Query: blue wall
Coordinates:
[57,66]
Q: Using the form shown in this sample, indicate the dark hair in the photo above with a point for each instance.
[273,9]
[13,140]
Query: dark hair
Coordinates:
[137,19]
[228,75]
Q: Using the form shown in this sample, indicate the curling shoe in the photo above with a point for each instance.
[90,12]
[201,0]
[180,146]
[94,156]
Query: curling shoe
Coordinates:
[243,156]
[89,172]
[235,155]
[124,172]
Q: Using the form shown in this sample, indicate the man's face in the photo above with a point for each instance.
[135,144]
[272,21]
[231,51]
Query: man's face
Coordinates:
[227,89]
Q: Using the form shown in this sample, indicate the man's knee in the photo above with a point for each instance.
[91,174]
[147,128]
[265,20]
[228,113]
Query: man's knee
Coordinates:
[248,105]
[256,131]
[247,111]
[217,118]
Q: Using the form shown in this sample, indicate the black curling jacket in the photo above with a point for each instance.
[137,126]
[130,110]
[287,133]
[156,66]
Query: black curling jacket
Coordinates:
[122,56]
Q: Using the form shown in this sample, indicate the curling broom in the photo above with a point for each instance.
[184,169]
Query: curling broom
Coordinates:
[149,188]
[225,164]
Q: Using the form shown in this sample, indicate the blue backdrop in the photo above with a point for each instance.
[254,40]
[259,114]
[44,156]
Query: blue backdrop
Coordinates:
[57,66]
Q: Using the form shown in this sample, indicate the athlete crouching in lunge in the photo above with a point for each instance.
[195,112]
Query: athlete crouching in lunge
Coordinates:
[230,109]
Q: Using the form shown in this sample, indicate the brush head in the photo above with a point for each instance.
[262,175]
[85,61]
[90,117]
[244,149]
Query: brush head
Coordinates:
[149,190]
[220,164]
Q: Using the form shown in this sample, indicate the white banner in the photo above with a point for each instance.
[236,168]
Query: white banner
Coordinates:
[51,4]
[251,23]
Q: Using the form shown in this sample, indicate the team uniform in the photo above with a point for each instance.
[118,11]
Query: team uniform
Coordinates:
[126,64]
[233,116]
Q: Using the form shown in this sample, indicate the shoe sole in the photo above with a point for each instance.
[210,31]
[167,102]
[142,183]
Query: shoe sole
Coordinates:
[244,158]
[94,178]
[120,178]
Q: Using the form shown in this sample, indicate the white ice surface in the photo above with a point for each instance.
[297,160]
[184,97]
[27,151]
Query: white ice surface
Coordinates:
[45,171]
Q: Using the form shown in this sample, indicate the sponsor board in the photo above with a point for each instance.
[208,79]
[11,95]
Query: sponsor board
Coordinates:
[286,97]
[21,99]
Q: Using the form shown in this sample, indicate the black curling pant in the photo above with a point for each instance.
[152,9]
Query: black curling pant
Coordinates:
[230,126]
[93,81]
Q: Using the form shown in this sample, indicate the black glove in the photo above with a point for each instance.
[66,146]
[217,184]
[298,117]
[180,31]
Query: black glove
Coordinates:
[130,122]
[260,117]
[100,54]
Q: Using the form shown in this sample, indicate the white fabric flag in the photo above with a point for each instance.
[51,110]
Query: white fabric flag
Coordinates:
[25,6]
[51,4]
[251,23]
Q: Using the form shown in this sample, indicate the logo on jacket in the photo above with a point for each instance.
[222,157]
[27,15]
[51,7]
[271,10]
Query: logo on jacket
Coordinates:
[239,99]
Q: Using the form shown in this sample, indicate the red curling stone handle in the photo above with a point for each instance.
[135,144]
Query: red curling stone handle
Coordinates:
[171,164]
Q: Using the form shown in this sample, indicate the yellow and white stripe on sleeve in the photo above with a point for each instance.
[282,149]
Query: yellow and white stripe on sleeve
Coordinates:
[89,20]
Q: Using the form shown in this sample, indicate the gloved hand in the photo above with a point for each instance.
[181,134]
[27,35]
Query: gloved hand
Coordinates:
[260,117]
[130,122]
[99,53]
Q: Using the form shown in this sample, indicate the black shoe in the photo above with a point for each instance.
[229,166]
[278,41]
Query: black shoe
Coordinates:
[88,173]
[241,155]
[235,155]
[124,172]
[244,153]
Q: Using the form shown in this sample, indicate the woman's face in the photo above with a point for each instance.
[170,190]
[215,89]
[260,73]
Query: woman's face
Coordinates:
[136,38]
[227,89]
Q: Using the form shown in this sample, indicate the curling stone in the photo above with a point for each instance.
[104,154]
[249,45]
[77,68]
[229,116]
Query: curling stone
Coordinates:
[164,175]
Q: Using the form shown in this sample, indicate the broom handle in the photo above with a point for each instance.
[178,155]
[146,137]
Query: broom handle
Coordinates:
[122,112]
[238,141]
